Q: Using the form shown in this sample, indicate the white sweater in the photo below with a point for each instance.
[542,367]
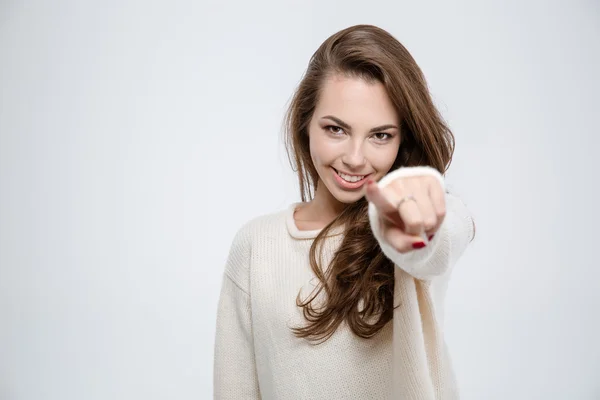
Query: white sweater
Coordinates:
[258,357]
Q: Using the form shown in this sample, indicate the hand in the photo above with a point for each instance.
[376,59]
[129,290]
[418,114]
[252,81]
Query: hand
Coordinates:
[414,222]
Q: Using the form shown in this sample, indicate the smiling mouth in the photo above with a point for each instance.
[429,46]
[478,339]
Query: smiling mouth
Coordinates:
[352,179]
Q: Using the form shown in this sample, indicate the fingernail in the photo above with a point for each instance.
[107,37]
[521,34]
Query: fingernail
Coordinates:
[431,237]
[418,245]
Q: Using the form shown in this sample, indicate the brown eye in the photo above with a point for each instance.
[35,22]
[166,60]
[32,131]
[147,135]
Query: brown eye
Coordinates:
[389,136]
[336,130]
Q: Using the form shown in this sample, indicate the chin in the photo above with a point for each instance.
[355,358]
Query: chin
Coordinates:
[348,197]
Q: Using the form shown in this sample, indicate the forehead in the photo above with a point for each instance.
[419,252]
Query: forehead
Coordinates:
[356,101]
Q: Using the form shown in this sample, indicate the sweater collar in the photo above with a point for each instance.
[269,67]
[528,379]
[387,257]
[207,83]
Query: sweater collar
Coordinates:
[309,234]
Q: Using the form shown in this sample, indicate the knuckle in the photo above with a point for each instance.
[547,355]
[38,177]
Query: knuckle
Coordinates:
[429,223]
[432,179]
[414,224]
[398,187]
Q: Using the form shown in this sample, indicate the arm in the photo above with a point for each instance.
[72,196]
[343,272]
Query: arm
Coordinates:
[234,366]
[447,245]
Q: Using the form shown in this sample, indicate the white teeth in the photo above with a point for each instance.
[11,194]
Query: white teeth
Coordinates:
[350,178]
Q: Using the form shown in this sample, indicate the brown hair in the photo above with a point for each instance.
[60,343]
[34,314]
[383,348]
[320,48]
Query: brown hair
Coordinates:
[359,282]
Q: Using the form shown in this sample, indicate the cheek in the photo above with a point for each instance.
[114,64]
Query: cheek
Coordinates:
[383,158]
[322,152]
[314,154]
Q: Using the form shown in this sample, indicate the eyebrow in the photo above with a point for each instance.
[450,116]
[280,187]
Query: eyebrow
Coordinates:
[347,127]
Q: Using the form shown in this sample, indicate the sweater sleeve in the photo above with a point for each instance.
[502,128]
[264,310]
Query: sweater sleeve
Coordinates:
[447,245]
[234,366]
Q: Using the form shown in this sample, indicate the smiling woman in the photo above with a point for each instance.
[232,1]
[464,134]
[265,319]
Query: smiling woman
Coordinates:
[373,241]
[353,134]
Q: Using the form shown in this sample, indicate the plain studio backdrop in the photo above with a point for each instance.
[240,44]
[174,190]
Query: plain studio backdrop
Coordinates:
[136,137]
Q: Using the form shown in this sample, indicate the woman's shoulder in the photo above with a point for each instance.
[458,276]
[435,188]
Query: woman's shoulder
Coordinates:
[256,230]
[265,224]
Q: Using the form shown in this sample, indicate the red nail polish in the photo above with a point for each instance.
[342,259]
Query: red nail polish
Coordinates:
[431,237]
[418,245]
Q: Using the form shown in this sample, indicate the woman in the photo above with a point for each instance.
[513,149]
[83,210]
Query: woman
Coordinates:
[340,296]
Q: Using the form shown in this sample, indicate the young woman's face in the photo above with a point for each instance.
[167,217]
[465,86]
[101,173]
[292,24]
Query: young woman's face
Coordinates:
[354,135]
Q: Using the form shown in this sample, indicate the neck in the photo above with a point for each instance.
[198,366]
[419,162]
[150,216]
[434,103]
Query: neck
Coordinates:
[324,207]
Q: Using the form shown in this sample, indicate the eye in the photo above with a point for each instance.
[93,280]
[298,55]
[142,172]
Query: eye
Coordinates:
[389,136]
[336,130]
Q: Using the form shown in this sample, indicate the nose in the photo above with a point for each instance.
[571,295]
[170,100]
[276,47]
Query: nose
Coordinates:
[354,157]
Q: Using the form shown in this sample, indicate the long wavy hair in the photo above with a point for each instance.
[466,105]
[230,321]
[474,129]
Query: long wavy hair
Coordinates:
[359,281]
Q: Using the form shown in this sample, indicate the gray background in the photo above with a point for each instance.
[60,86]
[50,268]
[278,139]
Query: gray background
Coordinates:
[136,137]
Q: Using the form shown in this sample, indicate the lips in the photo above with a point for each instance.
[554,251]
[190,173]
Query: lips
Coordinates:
[349,185]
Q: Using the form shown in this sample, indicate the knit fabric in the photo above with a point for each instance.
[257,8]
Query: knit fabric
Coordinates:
[257,356]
